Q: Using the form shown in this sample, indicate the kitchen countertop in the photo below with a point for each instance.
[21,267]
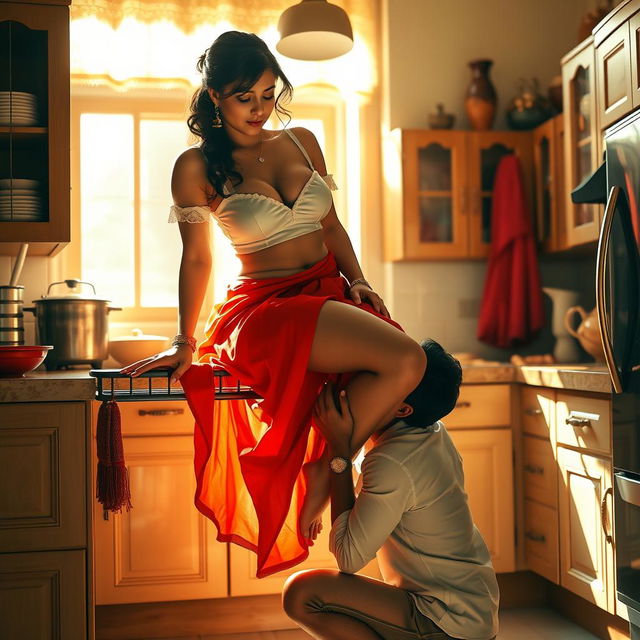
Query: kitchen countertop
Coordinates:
[78,385]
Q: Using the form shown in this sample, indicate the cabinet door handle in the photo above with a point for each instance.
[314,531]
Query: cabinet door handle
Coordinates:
[533,412]
[536,537]
[604,518]
[160,412]
[463,405]
[532,468]
[581,420]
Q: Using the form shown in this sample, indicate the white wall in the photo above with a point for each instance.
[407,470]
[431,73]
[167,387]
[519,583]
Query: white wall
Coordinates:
[426,48]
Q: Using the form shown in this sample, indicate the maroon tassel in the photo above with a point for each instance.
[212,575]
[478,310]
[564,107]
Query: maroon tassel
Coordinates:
[112,482]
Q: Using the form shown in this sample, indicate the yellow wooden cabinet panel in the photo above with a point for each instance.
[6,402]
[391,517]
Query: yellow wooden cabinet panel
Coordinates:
[163,548]
[541,540]
[584,421]
[42,476]
[581,135]
[43,595]
[584,505]
[488,478]
[538,411]
[540,471]
[481,405]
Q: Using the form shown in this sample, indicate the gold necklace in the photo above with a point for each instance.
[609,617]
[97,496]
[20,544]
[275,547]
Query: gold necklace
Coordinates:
[260,158]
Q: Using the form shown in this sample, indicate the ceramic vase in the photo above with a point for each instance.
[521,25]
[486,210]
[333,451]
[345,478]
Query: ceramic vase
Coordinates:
[481,99]
[566,348]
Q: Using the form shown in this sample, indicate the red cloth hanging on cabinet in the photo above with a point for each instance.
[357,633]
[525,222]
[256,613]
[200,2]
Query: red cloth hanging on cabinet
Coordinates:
[512,310]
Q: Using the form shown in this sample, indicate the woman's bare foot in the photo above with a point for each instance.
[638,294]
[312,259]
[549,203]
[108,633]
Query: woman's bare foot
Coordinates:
[316,474]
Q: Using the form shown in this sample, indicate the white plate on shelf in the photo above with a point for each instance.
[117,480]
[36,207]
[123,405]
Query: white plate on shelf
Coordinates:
[25,122]
[19,192]
[19,183]
[25,111]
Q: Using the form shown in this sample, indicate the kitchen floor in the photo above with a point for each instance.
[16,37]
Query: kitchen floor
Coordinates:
[515,624]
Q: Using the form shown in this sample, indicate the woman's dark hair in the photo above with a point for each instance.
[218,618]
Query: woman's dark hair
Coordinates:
[438,391]
[235,61]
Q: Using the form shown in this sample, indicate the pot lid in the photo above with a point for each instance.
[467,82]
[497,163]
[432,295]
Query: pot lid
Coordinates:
[72,293]
[137,335]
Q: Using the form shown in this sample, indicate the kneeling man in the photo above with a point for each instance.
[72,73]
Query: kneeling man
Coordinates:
[412,513]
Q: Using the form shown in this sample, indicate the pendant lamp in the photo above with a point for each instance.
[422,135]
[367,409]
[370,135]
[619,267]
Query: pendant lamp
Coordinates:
[314,30]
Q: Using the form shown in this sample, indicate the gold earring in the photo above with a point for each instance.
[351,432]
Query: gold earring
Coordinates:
[217,121]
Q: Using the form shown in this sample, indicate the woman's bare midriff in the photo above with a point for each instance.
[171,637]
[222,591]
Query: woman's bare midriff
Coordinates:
[286,258]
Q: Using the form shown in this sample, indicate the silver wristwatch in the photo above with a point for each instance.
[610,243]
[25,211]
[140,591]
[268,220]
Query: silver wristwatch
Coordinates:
[339,464]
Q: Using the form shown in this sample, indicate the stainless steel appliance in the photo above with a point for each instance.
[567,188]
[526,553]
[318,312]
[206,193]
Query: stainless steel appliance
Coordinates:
[618,303]
[75,324]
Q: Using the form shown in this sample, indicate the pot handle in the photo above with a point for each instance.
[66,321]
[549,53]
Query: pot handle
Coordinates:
[32,309]
[568,316]
[114,309]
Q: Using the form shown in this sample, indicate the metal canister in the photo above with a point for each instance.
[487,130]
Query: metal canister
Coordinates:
[75,323]
[11,315]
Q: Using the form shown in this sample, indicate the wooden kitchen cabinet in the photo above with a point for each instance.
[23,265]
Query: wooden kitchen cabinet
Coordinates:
[44,535]
[613,76]
[34,58]
[585,506]
[43,595]
[438,194]
[550,200]
[162,549]
[580,140]
[488,480]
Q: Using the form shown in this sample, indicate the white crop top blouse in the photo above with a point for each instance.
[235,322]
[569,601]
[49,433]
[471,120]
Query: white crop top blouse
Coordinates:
[253,221]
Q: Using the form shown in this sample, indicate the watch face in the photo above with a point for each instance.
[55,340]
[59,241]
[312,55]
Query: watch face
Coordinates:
[338,465]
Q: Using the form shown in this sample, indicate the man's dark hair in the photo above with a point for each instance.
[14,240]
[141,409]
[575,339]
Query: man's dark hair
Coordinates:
[438,391]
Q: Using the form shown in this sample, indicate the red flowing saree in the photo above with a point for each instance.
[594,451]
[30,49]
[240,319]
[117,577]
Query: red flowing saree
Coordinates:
[248,453]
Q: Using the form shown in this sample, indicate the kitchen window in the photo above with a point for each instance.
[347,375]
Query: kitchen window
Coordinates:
[123,150]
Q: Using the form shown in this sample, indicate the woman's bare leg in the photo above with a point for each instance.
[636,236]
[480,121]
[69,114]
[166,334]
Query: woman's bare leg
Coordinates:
[391,363]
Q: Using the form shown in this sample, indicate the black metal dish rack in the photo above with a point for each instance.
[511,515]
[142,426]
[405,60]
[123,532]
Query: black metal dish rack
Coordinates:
[112,385]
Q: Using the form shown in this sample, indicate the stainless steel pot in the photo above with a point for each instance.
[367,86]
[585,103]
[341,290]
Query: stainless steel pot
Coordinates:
[76,325]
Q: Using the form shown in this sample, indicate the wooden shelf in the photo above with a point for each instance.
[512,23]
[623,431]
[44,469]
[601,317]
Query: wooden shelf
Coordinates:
[23,132]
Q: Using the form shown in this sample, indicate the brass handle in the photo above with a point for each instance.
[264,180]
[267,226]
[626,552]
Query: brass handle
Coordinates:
[603,248]
[533,412]
[536,537]
[574,421]
[531,468]
[603,515]
[160,412]
[463,404]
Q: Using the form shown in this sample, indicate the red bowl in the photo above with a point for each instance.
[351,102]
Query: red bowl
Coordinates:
[16,361]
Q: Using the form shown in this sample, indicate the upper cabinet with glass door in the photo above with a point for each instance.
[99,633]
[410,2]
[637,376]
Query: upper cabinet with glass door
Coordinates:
[34,127]
[580,139]
[438,190]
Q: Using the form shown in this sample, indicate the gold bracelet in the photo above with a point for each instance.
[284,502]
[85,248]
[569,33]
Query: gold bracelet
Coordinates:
[360,281]
[182,339]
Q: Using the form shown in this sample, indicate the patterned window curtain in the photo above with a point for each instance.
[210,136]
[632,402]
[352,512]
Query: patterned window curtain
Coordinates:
[132,44]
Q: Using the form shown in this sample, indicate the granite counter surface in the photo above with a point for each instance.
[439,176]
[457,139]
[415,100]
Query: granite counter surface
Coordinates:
[67,386]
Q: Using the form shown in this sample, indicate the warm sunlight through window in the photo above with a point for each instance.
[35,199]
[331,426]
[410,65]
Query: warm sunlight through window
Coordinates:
[128,250]
[107,195]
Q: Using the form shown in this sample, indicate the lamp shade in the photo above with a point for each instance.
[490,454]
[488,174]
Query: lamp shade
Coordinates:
[314,30]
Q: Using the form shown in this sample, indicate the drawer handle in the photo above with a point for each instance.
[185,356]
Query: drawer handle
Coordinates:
[533,412]
[581,420]
[160,412]
[536,537]
[463,405]
[604,518]
[530,468]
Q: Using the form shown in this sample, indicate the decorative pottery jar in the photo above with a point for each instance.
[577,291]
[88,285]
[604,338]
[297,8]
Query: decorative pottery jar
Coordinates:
[440,119]
[481,99]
